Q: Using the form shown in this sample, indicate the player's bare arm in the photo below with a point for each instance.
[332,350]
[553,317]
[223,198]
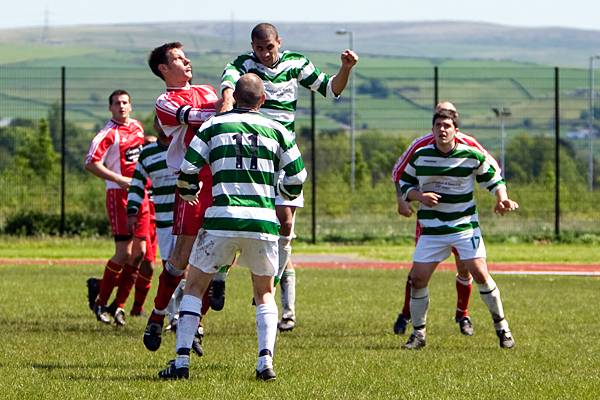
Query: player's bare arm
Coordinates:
[226,102]
[340,80]
[503,203]
[189,192]
[430,199]
[404,207]
[98,169]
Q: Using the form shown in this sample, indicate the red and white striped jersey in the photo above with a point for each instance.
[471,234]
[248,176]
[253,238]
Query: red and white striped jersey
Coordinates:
[428,139]
[180,112]
[118,147]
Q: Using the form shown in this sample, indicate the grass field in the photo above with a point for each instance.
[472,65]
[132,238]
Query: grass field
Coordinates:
[343,346]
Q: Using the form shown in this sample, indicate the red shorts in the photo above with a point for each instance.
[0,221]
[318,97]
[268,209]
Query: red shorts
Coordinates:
[152,239]
[187,218]
[116,207]
[418,232]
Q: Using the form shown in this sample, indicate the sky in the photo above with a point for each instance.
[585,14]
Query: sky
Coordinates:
[581,14]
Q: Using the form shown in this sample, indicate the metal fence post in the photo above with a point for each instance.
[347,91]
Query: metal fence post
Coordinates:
[62,149]
[436,88]
[313,131]
[556,153]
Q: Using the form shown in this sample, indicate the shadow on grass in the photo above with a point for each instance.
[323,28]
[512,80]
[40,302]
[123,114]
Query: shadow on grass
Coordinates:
[79,371]
[51,366]
[77,324]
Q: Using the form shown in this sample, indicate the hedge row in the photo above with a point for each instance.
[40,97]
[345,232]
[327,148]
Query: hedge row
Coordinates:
[31,223]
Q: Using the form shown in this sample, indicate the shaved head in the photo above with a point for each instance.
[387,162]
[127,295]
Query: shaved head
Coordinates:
[445,105]
[249,91]
[264,31]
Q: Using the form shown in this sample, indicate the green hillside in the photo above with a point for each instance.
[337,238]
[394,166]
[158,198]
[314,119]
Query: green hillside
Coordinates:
[436,41]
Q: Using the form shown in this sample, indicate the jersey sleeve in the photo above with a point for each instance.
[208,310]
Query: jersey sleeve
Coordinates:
[402,162]
[197,115]
[290,160]
[195,158]
[136,191]
[166,111]
[408,180]
[173,113]
[488,176]
[313,79]
[100,145]
[232,73]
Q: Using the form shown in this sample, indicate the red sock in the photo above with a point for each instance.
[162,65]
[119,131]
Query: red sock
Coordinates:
[167,284]
[463,294]
[406,307]
[112,271]
[126,282]
[142,287]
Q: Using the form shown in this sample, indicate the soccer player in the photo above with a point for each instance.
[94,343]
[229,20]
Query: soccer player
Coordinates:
[112,156]
[282,74]
[152,167]
[180,111]
[143,278]
[441,177]
[246,151]
[464,281]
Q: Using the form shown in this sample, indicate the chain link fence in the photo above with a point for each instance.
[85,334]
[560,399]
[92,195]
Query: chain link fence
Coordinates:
[534,120]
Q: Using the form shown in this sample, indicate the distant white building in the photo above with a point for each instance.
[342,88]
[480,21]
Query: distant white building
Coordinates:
[5,122]
[579,134]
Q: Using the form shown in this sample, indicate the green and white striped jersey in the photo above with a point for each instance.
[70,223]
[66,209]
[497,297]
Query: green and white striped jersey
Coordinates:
[152,164]
[245,151]
[452,176]
[281,82]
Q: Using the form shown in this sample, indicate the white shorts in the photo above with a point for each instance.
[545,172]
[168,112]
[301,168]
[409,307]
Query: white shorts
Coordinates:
[211,251]
[166,242]
[280,201]
[434,248]
[297,202]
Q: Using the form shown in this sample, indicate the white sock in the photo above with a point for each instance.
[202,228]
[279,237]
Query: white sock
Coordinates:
[502,326]
[173,270]
[285,252]
[173,307]
[420,333]
[288,294]
[264,362]
[490,294]
[189,318]
[266,326]
[419,302]
[160,312]
[182,360]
